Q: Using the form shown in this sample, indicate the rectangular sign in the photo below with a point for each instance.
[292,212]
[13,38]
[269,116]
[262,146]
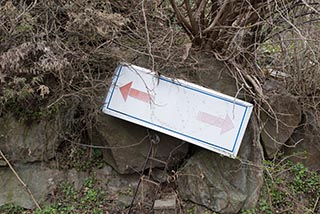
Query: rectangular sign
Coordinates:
[178,108]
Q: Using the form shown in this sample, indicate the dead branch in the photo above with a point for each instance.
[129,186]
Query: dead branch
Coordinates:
[217,17]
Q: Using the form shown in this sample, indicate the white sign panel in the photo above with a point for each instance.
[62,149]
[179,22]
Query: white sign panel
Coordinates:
[178,108]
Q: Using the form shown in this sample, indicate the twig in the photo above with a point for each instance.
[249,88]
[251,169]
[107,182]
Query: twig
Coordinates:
[315,204]
[20,180]
[311,8]
[108,147]
[139,182]
[148,35]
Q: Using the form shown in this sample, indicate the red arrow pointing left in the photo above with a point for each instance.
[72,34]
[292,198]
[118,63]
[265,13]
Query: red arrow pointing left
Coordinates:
[126,90]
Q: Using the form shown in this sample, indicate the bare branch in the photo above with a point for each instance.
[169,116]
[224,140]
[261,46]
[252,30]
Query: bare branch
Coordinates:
[181,18]
[194,26]
[216,19]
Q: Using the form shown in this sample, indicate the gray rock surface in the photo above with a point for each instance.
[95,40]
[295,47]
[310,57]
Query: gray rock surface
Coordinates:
[124,200]
[116,183]
[22,142]
[304,144]
[44,180]
[214,75]
[121,187]
[40,179]
[128,150]
[159,175]
[77,178]
[165,206]
[279,119]
[223,184]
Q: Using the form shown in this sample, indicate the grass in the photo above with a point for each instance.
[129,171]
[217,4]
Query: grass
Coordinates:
[89,199]
[289,188]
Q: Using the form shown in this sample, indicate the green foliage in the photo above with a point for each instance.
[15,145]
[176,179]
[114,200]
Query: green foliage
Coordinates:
[69,191]
[129,190]
[48,210]
[79,157]
[252,211]
[191,210]
[305,181]
[289,188]
[11,209]
[91,198]
[270,48]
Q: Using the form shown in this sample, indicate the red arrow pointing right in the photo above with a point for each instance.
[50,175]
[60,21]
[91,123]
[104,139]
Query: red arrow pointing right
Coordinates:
[225,124]
[126,90]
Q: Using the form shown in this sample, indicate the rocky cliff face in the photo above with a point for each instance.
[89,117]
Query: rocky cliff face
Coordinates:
[219,183]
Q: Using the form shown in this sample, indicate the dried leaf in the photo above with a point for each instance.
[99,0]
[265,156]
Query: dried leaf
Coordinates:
[43,90]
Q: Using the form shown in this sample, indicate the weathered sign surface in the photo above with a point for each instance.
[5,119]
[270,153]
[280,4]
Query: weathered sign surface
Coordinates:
[178,108]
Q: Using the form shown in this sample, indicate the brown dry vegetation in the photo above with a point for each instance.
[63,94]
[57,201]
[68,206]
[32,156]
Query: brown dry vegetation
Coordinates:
[56,50]
[63,53]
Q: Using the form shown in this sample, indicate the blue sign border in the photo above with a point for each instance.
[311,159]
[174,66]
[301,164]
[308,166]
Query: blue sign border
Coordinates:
[116,78]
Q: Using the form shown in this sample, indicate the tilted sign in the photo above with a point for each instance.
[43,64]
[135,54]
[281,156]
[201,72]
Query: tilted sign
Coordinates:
[178,108]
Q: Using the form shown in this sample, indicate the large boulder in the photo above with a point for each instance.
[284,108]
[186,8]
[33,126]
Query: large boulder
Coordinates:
[39,179]
[280,116]
[223,184]
[28,142]
[127,145]
[304,144]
